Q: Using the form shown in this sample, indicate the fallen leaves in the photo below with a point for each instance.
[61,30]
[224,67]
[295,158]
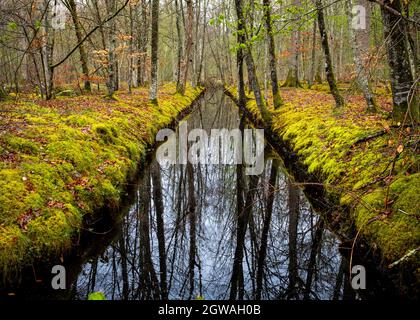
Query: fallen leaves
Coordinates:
[24,219]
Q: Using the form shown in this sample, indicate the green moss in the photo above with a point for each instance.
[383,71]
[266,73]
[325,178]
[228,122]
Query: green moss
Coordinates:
[96,296]
[79,120]
[12,191]
[68,161]
[19,144]
[406,192]
[395,234]
[107,133]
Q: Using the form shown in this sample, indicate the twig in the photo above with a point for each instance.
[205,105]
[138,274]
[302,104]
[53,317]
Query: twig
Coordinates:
[405,257]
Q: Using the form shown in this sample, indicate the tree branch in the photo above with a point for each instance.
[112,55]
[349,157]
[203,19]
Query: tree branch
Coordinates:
[89,34]
[393,11]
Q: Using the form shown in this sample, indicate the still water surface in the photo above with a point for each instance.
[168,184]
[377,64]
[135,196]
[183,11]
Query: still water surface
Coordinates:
[302,258]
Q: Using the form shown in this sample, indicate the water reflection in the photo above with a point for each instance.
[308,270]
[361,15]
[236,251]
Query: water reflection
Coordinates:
[210,231]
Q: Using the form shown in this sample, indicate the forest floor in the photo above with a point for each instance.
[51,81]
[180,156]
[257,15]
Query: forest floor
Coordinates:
[63,159]
[365,160]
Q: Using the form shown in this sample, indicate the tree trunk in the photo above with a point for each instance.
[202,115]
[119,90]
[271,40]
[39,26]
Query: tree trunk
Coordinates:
[292,79]
[339,101]
[148,280]
[142,44]
[160,228]
[339,280]
[83,56]
[98,21]
[47,53]
[203,42]
[188,48]
[316,245]
[360,45]
[241,228]
[240,38]
[277,101]
[124,270]
[180,45]
[192,223]
[313,57]
[154,52]
[293,205]
[110,5]
[131,49]
[266,227]
[318,74]
[252,74]
[404,92]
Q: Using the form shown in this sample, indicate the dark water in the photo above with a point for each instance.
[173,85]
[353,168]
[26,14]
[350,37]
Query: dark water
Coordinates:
[122,259]
[120,272]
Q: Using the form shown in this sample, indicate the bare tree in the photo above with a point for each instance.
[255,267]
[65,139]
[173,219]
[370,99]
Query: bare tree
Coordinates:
[277,101]
[404,90]
[252,73]
[154,52]
[360,45]
[292,79]
[192,223]
[71,4]
[272,186]
[160,228]
[188,48]
[339,101]
[293,204]
[111,6]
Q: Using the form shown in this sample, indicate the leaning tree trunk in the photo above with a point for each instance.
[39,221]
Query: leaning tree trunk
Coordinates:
[154,53]
[404,91]
[360,42]
[277,101]
[339,101]
[83,56]
[262,253]
[252,73]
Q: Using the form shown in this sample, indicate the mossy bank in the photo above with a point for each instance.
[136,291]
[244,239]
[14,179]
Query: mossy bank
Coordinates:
[368,168]
[65,159]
